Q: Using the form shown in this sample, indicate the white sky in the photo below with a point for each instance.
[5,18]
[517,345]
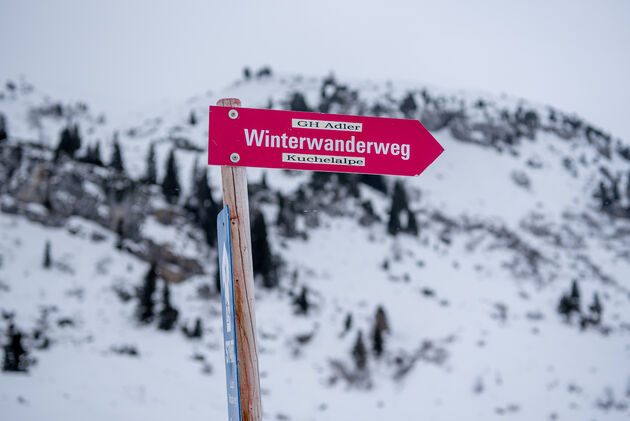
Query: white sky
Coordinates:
[119,55]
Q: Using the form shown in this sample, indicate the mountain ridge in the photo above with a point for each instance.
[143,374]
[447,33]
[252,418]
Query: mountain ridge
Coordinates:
[505,220]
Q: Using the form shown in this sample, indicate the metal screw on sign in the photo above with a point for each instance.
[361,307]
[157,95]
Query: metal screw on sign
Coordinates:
[233,114]
[235,157]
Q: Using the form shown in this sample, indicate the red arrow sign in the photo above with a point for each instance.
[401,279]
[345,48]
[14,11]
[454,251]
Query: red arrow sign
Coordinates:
[319,142]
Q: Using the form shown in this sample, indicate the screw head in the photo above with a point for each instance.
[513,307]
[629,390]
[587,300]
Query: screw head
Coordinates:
[235,157]
[233,113]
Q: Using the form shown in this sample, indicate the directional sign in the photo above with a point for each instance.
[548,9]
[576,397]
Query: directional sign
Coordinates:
[319,142]
[229,319]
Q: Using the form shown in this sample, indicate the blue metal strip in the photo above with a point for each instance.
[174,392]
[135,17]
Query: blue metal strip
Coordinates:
[230,344]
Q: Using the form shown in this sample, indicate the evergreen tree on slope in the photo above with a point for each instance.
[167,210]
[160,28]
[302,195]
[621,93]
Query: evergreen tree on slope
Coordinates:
[261,252]
[168,315]
[117,161]
[146,303]
[170,184]
[151,174]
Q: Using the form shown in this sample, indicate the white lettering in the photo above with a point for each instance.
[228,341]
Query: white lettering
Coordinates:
[404,151]
[254,137]
[380,147]
[314,144]
[263,138]
[350,145]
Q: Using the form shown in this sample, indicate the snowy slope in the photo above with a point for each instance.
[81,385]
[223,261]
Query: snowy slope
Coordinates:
[508,217]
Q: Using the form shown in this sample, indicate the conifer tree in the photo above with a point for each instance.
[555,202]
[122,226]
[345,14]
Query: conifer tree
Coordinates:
[570,303]
[603,196]
[192,203]
[170,184]
[93,155]
[3,128]
[408,106]
[15,355]
[120,231]
[285,220]
[616,196]
[301,302]
[393,224]
[564,306]
[14,161]
[399,204]
[359,352]
[46,202]
[575,297]
[380,327]
[351,182]
[378,109]
[96,154]
[261,252]
[264,72]
[377,342]
[75,139]
[69,142]
[596,309]
[380,320]
[319,179]
[298,103]
[168,315]
[217,280]
[151,174]
[205,209]
[347,323]
[195,175]
[203,193]
[412,224]
[263,181]
[47,259]
[192,118]
[117,160]
[88,154]
[196,332]
[376,181]
[280,219]
[146,303]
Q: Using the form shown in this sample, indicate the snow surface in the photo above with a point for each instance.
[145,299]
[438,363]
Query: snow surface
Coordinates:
[498,347]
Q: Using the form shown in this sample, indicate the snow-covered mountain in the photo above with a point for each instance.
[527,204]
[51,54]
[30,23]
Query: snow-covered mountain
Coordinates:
[460,282]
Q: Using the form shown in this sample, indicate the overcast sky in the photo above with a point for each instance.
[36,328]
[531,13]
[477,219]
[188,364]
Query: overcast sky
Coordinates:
[120,55]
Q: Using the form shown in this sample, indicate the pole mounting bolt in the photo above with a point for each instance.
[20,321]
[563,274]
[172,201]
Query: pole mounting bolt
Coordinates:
[235,157]
[233,113]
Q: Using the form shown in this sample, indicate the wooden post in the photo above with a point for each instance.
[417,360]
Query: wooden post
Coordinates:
[234,181]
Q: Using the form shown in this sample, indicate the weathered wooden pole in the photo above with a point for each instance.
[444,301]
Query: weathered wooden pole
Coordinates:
[234,181]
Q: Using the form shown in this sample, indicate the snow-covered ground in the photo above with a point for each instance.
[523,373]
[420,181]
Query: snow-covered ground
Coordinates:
[474,328]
